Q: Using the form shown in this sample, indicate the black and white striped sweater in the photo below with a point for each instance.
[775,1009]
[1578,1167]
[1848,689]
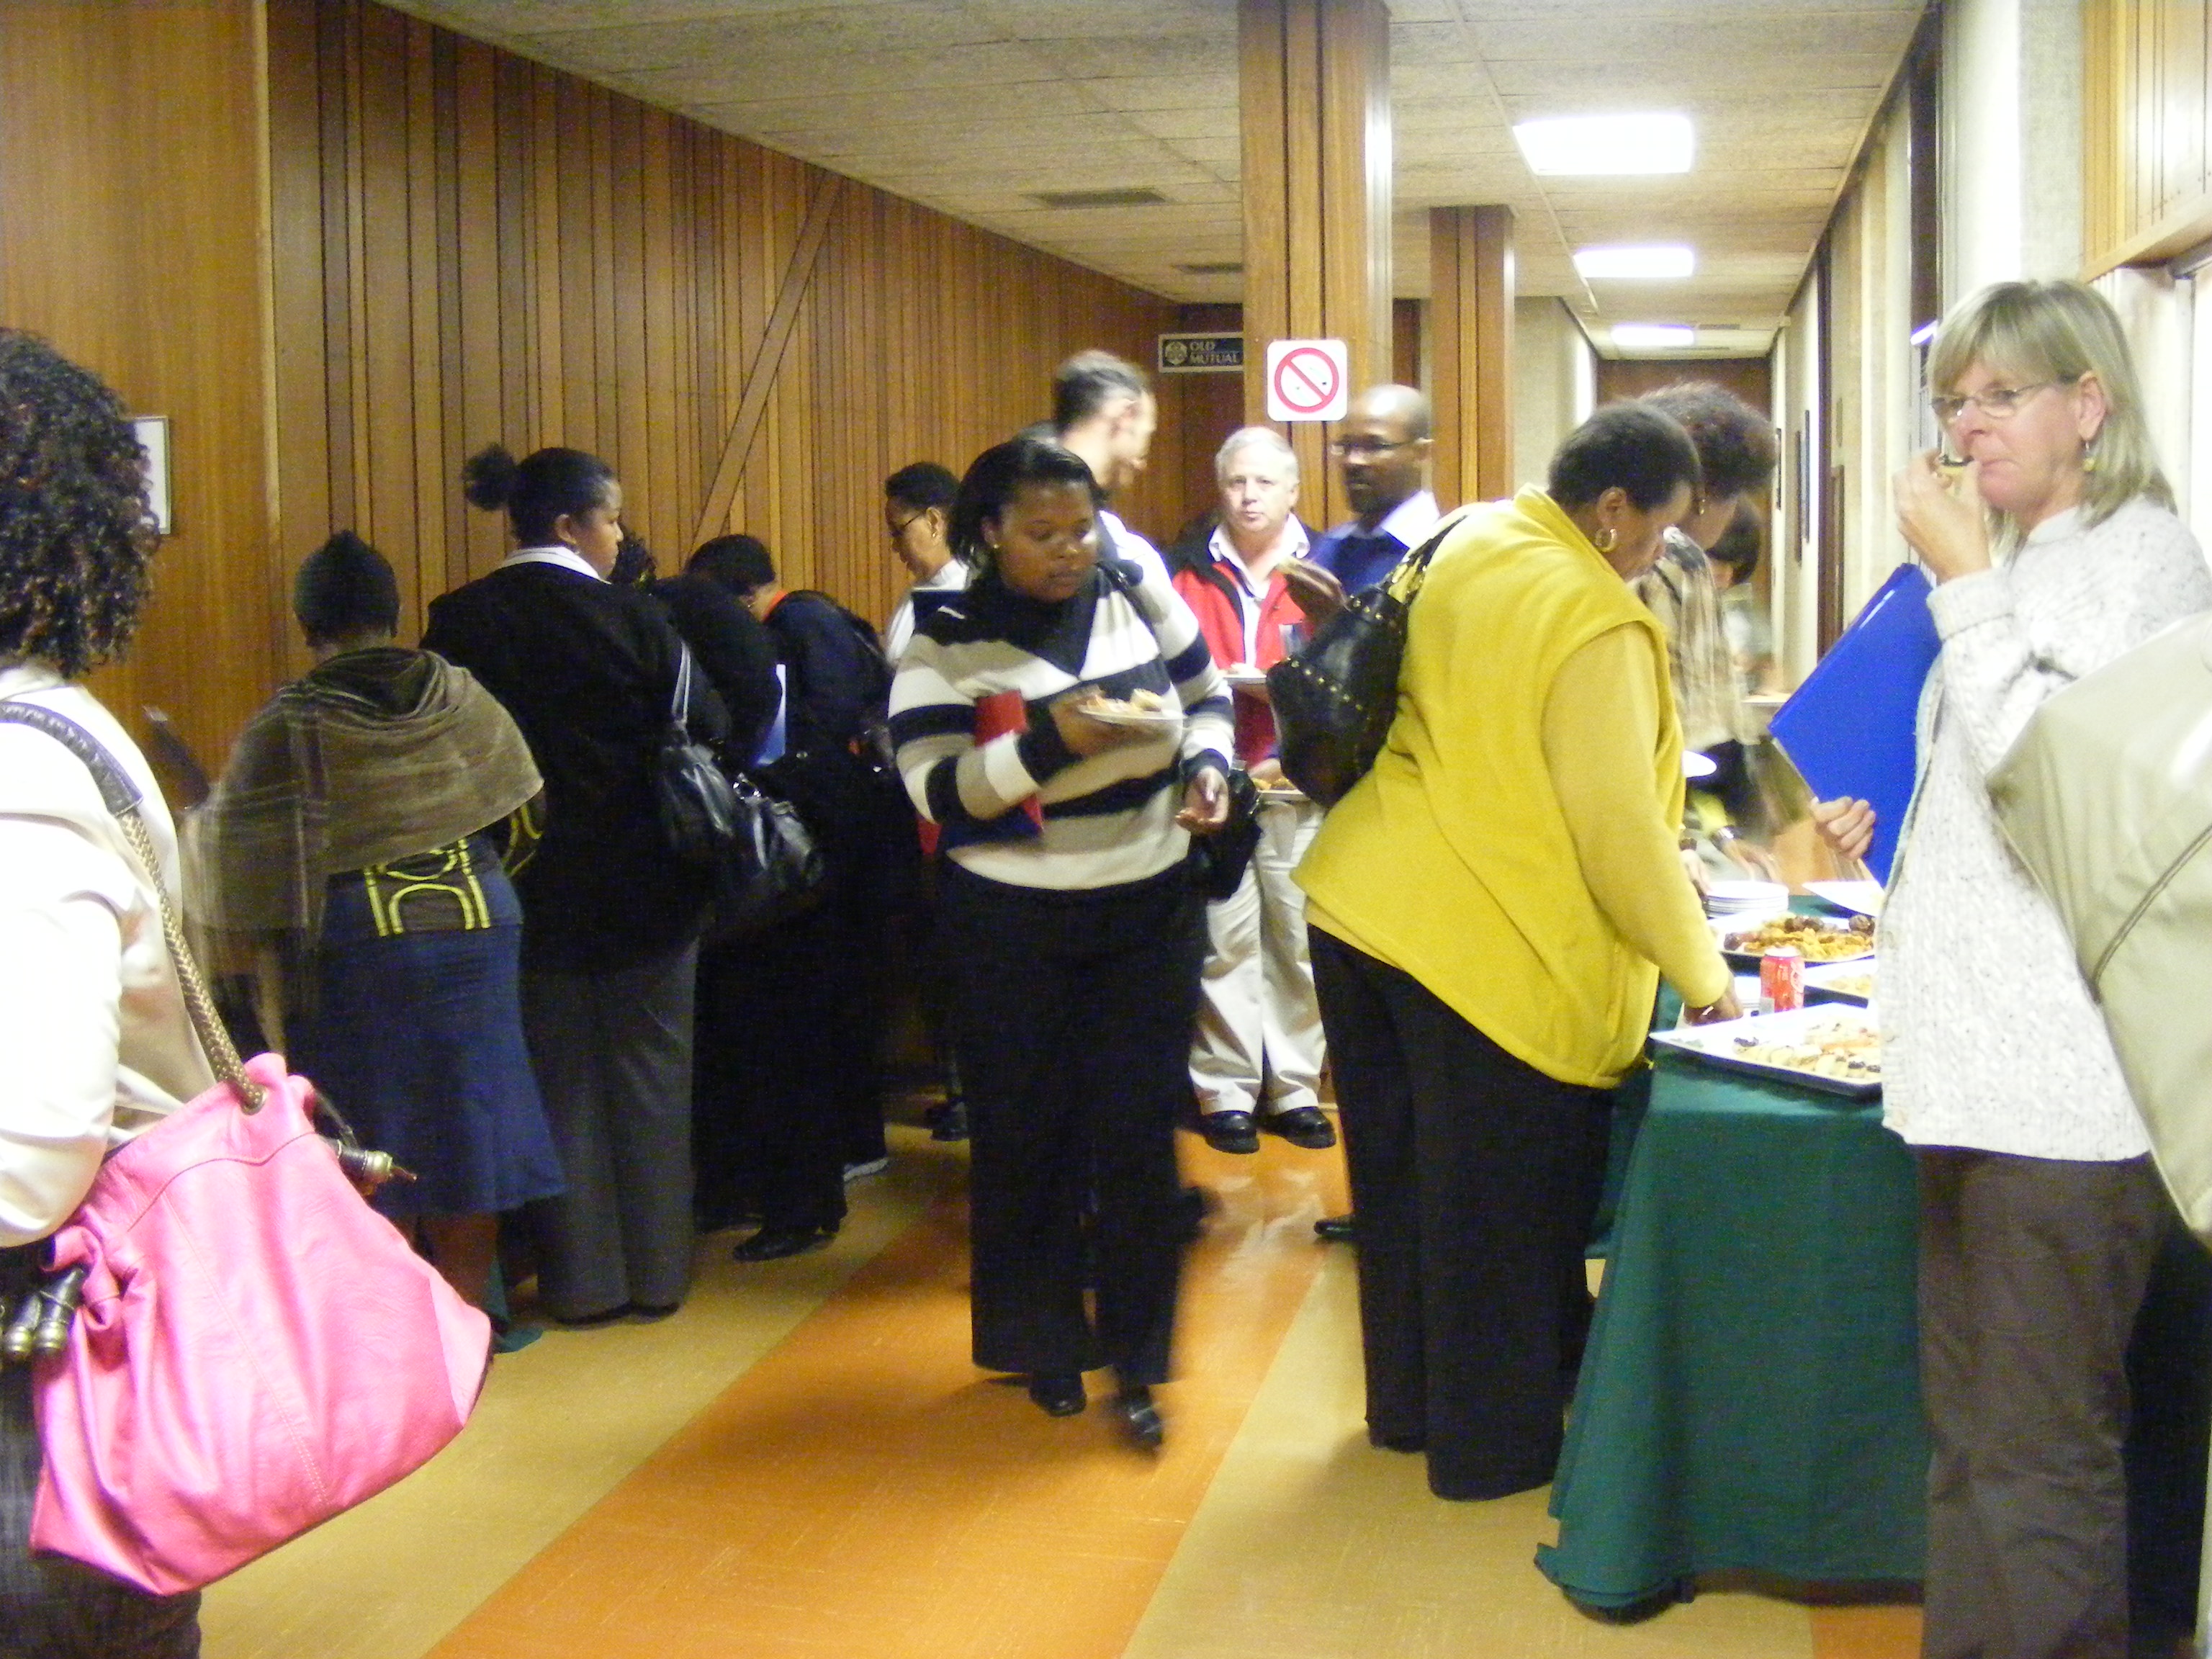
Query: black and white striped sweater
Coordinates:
[1108,819]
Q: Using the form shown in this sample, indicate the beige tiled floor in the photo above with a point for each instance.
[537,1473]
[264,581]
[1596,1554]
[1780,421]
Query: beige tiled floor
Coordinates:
[1311,1542]
[803,1465]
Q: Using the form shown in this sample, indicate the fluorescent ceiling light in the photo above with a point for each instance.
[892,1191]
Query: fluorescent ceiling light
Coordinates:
[1653,337]
[1628,264]
[1564,145]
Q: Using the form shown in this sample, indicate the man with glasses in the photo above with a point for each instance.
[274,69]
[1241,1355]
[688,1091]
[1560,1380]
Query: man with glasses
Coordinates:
[917,511]
[1382,449]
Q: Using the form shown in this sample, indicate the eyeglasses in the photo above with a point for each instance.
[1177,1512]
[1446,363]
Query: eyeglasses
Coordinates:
[1366,448]
[900,528]
[1999,402]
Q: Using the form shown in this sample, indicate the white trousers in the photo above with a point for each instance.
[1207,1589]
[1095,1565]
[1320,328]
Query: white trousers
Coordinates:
[1258,1047]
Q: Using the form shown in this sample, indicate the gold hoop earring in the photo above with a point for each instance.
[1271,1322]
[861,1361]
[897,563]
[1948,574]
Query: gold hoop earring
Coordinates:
[1605,540]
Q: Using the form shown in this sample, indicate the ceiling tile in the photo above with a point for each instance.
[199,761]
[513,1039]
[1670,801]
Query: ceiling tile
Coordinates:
[931,99]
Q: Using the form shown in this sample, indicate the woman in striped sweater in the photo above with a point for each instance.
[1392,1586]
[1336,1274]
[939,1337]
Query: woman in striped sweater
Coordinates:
[1064,725]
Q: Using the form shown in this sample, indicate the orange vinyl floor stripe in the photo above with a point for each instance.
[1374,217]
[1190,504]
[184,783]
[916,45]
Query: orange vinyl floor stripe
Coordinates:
[863,1490]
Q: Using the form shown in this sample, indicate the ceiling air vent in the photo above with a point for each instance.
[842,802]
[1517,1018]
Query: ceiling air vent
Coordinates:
[1099,198]
[1222,268]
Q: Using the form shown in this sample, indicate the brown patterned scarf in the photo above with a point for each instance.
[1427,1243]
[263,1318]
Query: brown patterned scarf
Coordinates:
[374,756]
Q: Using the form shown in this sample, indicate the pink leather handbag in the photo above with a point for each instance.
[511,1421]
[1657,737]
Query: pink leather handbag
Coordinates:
[256,1349]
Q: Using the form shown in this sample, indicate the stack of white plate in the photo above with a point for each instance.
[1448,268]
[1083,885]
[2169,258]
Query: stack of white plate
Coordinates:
[1746,898]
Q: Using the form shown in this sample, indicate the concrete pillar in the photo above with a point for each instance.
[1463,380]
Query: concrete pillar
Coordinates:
[1315,78]
[1471,351]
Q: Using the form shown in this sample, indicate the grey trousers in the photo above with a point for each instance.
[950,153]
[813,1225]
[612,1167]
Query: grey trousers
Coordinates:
[2030,1273]
[613,1057]
[50,1607]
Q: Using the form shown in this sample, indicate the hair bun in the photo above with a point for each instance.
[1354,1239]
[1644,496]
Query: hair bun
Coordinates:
[488,478]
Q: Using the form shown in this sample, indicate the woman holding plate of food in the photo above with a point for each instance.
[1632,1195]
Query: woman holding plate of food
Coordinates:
[1064,725]
[2054,549]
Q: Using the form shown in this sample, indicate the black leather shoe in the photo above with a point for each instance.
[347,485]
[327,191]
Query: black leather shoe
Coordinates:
[1139,1417]
[774,1243]
[1334,1228]
[949,1121]
[1229,1132]
[1059,1396]
[1303,1125]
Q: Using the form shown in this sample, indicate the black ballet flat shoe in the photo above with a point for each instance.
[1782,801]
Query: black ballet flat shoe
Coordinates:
[1333,1230]
[1059,1396]
[774,1243]
[1139,1417]
[1303,1125]
[1229,1132]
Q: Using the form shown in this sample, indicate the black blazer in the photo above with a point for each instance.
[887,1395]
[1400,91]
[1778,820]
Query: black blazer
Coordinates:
[588,671]
[736,653]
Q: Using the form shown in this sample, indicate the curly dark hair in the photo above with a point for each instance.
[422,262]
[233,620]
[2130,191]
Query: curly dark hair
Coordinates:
[1735,442]
[76,540]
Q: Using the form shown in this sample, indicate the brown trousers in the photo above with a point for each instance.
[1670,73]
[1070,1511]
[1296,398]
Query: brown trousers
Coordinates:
[2030,1273]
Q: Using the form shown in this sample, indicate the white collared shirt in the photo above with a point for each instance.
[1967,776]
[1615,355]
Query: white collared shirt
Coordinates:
[1411,518]
[1290,543]
[567,557]
[950,577]
[1129,545]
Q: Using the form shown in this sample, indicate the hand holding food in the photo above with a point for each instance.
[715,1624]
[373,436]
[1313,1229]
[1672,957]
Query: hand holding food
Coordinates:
[1205,803]
[1846,825]
[1077,715]
[1313,590]
[1941,517]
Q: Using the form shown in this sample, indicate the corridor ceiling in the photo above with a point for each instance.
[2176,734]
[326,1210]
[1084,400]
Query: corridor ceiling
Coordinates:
[975,108]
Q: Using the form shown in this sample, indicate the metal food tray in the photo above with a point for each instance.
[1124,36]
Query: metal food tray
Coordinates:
[1723,926]
[1818,976]
[1710,1045]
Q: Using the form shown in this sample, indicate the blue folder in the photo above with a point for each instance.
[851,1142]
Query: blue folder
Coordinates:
[1851,727]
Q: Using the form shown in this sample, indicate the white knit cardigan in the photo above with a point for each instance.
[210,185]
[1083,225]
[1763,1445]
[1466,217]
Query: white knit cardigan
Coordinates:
[1990,1039]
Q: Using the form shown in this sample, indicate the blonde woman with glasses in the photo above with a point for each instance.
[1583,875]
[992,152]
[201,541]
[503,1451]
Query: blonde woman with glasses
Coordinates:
[2050,536]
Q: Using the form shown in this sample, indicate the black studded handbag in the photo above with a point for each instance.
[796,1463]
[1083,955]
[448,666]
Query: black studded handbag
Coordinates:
[1336,697]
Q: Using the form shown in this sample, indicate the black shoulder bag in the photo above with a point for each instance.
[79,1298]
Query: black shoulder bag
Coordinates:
[698,810]
[1335,698]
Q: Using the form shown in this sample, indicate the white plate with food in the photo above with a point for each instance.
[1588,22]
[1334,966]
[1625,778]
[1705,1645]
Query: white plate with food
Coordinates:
[1840,981]
[1818,939]
[1143,711]
[1246,682]
[1830,1047]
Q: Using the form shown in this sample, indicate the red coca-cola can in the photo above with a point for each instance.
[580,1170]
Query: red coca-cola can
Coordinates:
[1782,978]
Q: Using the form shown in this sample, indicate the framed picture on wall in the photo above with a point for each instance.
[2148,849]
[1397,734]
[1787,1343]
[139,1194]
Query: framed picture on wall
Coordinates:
[153,435]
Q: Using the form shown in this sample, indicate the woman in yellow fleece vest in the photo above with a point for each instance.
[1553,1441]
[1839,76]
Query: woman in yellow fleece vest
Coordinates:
[1491,910]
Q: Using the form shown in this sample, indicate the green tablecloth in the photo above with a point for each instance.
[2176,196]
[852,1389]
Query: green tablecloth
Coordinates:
[1750,1398]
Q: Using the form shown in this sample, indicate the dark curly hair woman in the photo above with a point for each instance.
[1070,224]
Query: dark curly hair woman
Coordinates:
[98,1042]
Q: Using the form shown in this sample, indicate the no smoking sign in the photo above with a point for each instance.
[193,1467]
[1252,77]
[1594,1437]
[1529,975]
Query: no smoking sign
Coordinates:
[1308,380]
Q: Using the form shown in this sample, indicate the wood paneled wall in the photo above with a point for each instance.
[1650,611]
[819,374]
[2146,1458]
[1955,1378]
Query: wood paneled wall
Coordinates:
[2147,109]
[131,237]
[470,247]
